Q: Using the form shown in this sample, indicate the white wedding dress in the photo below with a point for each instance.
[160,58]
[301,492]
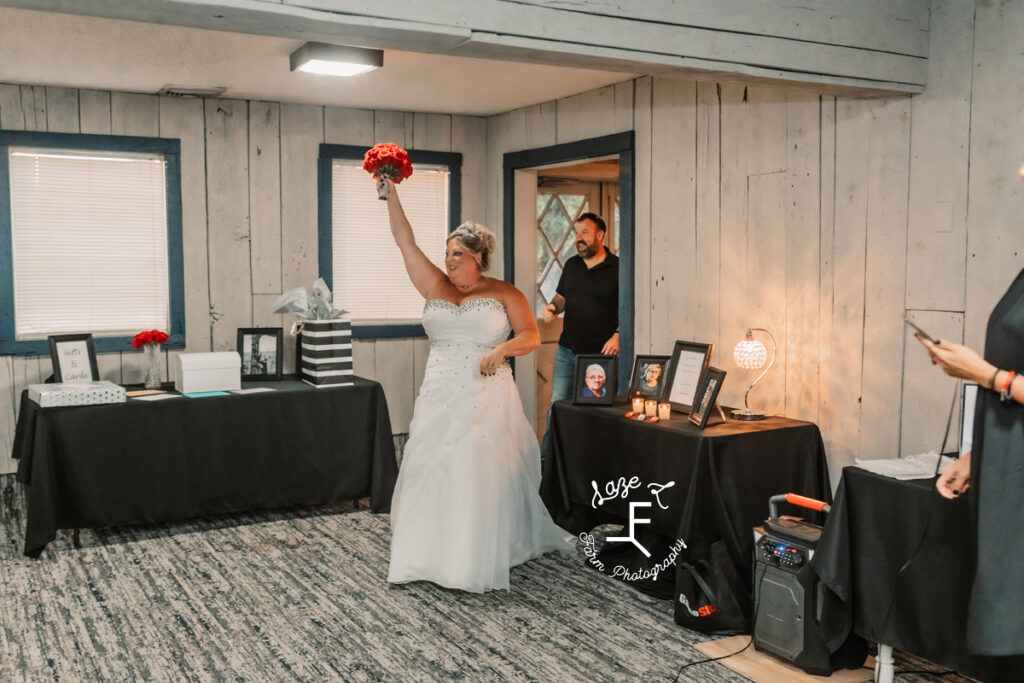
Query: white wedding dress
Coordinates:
[466,506]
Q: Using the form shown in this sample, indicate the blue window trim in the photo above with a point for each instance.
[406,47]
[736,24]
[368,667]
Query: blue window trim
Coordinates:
[328,153]
[616,143]
[171,151]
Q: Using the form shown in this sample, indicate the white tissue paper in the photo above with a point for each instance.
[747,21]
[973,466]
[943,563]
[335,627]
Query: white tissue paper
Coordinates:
[920,466]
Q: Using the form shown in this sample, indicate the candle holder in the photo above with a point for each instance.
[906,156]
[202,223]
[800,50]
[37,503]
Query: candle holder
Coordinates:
[650,408]
[638,405]
[664,410]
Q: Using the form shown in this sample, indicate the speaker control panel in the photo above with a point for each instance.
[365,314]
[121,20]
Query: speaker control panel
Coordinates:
[782,554]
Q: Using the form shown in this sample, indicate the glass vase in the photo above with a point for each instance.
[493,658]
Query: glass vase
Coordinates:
[153,361]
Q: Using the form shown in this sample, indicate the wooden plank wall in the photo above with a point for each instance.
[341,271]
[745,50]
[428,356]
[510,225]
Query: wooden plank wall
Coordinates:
[825,220]
[249,211]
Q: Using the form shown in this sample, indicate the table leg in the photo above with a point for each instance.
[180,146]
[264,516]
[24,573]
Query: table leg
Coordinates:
[76,540]
[884,664]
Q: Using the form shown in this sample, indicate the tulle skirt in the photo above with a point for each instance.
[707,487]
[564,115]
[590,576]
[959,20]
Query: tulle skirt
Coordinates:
[466,506]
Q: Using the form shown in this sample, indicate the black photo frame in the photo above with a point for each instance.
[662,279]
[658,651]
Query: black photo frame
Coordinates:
[686,371]
[708,396]
[261,363]
[582,391]
[642,366]
[74,358]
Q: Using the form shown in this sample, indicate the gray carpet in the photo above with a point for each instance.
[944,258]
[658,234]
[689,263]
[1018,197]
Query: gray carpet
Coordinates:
[300,595]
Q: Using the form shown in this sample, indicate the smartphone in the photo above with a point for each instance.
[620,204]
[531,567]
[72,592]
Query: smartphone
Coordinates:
[921,332]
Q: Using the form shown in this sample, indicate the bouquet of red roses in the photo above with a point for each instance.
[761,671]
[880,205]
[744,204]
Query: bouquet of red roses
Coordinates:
[387,161]
[149,337]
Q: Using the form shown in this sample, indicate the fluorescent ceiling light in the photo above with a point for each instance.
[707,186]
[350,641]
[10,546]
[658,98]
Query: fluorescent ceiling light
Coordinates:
[335,60]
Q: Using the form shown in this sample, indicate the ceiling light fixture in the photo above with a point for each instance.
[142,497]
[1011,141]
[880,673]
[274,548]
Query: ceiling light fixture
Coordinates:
[335,60]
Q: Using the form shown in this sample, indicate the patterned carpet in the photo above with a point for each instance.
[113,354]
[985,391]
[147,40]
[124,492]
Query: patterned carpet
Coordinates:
[300,595]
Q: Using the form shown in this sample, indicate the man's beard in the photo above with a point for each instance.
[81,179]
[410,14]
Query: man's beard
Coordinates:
[586,251]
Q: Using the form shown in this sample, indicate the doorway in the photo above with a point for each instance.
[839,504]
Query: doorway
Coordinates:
[546,190]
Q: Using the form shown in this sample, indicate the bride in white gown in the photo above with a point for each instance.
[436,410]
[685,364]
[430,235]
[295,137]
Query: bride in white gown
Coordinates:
[466,506]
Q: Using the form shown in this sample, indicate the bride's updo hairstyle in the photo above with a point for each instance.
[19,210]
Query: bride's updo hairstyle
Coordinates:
[478,240]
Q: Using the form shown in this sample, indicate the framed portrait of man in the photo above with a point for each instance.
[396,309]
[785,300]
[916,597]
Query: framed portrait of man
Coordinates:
[595,380]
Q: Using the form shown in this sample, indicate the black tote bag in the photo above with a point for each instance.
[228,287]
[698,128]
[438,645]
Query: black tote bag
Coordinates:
[709,595]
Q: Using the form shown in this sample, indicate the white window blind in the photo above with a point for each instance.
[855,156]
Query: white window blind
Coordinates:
[370,281]
[89,242]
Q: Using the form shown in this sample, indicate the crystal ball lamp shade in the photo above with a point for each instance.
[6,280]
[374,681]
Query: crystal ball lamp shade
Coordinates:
[750,354]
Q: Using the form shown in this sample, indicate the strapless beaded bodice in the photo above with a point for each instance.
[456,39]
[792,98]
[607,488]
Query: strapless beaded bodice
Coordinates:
[479,322]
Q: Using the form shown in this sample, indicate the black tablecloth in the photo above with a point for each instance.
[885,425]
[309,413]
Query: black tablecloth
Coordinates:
[723,475]
[901,557]
[141,462]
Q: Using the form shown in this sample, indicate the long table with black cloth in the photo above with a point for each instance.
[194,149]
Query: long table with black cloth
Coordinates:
[722,476]
[157,461]
[901,557]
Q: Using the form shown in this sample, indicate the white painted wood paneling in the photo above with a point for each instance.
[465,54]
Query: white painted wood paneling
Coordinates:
[885,276]
[227,199]
[301,134]
[265,197]
[62,110]
[642,227]
[927,392]
[941,131]
[995,225]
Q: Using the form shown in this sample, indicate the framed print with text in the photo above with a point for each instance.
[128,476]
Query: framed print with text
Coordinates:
[686,372]
[74,358]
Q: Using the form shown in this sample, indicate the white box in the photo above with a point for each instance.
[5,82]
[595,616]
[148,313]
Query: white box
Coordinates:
[78,394]
[219,371]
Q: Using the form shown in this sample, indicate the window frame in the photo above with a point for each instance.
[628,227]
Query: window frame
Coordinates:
[325,227]
[171,151]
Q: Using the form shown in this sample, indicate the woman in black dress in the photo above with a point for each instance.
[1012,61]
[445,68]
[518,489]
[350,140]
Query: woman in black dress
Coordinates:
[994,470]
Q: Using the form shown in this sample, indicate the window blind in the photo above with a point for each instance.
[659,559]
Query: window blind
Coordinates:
[89,242]
[370,280]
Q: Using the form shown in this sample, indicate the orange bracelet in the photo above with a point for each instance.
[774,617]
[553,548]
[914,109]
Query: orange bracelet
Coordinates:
[1010,374]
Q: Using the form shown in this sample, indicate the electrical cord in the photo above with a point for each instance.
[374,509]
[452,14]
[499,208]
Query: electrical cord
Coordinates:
[948,672]
[750,642]
[712,659]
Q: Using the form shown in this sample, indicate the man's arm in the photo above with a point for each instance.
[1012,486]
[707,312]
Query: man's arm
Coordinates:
[554,308]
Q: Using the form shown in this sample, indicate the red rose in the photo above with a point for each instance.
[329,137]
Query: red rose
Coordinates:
[388,160]
[149,337]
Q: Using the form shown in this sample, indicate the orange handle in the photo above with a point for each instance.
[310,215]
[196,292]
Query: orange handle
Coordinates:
[805,502]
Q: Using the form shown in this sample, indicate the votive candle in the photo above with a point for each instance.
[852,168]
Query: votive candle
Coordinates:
[650,408]
[664,411]
[638,405]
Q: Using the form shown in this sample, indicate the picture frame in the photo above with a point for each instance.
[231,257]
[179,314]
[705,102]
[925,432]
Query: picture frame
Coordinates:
[713,380]
[595,374]
[686,371]
[261,350]
[74,358]
[643,368]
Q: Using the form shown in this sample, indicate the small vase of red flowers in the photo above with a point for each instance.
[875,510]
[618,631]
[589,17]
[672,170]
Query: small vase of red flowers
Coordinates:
[150,342]
[387,161]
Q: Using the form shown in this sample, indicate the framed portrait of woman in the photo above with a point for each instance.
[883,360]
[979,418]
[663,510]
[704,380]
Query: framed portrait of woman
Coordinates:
[648,377]
[686,372]
[595,380]
[708,396]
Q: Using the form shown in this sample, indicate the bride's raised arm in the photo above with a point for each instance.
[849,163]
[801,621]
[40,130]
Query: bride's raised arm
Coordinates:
[425,275]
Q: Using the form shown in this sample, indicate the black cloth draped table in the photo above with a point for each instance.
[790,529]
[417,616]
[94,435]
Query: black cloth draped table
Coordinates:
[901,558]
[722,476]
[157,461]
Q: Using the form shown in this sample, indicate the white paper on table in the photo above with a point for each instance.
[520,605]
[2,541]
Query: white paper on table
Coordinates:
[253,390]
[155,397]
[920,466]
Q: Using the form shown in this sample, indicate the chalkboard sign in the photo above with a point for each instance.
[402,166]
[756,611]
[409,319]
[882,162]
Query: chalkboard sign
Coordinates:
[74,358]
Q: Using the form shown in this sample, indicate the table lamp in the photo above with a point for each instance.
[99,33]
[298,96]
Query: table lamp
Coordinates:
[751,354]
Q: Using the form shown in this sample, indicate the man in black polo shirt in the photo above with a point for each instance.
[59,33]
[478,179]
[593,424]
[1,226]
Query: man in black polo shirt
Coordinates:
[588,292]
